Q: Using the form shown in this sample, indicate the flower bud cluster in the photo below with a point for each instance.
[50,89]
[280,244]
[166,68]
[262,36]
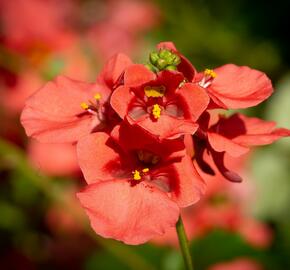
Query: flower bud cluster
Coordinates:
[163,60]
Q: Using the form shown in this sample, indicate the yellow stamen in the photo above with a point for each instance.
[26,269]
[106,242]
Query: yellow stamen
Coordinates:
[97,96]
[156,111]
[210,72]
[154,91]
[145,170]
[84,105]
[136,175]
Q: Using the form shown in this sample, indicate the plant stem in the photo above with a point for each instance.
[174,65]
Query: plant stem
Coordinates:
[183,242]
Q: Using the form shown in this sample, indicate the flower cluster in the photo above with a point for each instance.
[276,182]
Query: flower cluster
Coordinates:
[142,131]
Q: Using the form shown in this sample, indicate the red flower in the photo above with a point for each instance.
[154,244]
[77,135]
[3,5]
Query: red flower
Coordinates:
[160,103]
[233,135]
[137,186]
[234,87]
[65,110]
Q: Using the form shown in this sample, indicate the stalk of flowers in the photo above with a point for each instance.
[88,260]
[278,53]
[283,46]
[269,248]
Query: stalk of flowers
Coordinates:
[130,128]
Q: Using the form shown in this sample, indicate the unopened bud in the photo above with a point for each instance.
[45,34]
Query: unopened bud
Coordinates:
[164,53]
[176,60]
[151,67]
[171,67]
[153,57]
[161,63]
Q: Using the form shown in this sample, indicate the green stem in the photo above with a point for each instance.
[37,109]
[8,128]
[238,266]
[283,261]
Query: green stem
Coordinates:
[183,242]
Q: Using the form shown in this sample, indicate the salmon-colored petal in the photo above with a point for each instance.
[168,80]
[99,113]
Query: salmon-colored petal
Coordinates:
[167,127]
[239,87]
[195,99]
[259,132]
[187,186]
[130,213]
[54,113]
[120,100]
[262,139]
[61,97]
[170,79]
[114,68]
[98,157]
[56,129]
[136,75]
[246,131]
[133,137]
[166,45]
[223,144]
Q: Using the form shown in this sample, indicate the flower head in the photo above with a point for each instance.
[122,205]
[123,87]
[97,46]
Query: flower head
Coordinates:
[160,103]
[65,110]
[142,181]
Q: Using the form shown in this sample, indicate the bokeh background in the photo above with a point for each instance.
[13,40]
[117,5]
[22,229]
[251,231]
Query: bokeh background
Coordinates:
[235,227]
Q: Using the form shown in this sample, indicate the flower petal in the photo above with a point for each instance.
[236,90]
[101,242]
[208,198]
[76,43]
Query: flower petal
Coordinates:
[248,131]
[195,99]
[55,129]
[239,87]
[61,97]
[120,100]
[186,184]
[218,158]
[166,127]
[223,144]
[98,157]
[113,69]
[166,45]
[136,75]
[133,137]
[54,114]
[130,213]
[259,132]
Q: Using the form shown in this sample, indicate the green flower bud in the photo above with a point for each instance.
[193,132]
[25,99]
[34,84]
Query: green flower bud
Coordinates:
[151,67]
[161,63]
[153,57]
[170,59]
[164,53]
[176,60]
[171,67]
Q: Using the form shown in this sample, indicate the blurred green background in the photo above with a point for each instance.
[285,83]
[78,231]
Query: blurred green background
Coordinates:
[42,228]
